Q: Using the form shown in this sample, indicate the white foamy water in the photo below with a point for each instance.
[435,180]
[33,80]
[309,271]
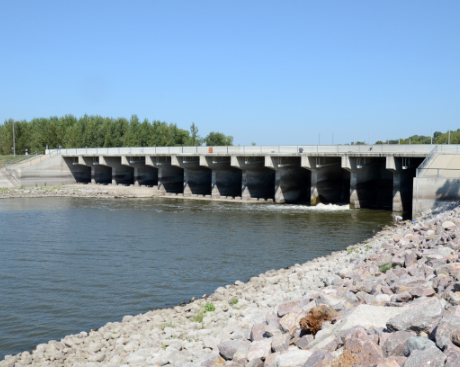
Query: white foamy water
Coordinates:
[286,208]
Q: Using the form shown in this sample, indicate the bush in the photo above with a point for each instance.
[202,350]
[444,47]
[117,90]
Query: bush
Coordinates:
[385,267]
[209,307]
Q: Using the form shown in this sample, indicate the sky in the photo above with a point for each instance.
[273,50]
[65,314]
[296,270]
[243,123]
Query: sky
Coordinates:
[269,72]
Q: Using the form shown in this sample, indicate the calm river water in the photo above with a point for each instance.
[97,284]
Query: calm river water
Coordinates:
[68,265]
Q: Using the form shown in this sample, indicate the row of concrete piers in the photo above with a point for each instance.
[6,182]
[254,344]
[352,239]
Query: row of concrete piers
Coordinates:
[361,181]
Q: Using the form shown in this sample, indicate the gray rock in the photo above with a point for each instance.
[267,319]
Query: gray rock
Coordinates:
[417,343]
[395,343]
[293,358]
[285,308]
[259,349]
[423,316]
[228,349]
[257,332]
[448,325]
[303,341]
[255,363]
[319,356]
[448,224]
[431,357]
[280,342]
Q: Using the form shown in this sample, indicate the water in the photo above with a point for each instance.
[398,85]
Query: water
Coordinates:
[68,264]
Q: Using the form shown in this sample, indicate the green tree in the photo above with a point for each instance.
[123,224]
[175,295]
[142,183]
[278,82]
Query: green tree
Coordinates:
[218,139]
[195,139]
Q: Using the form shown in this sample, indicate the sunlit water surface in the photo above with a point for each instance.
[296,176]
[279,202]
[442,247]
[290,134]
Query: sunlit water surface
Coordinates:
[69,264]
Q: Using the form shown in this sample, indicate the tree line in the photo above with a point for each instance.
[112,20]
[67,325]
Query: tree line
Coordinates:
[438,138]
[97,131]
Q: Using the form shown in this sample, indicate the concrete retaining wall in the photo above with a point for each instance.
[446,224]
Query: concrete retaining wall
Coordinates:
[430,193]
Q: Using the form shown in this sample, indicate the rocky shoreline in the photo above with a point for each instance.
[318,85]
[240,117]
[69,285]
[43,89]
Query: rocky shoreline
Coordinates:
[61,191]
[393,300]
[110,192]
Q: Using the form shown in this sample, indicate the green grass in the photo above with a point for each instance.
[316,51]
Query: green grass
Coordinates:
[6,158]
[233,301]
[199,316]
[385,267]
[208,307]
[167,324]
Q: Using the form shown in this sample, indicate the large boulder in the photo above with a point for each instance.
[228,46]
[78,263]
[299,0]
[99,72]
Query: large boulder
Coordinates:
[367,316]
[432,357]
[228,349]
[447,328]
[423,316]
[394,344]
[418,343]
[293,358]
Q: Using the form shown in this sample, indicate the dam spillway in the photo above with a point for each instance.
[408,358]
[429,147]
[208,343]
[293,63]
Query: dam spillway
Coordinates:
[363,176]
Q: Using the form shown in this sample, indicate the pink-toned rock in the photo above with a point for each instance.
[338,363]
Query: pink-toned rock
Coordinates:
[259,349]
[364,350]
[410,258]
[319,358]
[285,308]
[391,361]
[422,292]
[270,361]
[394,344]
[280,342]
[257,332]
[401,297]
[289,322]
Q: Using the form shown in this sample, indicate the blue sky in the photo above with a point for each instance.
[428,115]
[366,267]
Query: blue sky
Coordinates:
[270,72]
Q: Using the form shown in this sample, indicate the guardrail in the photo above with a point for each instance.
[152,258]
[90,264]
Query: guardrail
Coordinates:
[265,149]
[20,162]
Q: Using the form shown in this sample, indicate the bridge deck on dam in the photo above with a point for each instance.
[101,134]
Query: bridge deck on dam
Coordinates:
[363,176]
[379,149]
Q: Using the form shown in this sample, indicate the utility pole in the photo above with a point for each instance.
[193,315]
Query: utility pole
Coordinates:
[14,142]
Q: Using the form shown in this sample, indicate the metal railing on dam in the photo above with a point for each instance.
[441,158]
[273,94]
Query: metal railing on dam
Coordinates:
[397,149]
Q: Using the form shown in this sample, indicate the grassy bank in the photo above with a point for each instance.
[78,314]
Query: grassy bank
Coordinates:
[6,158]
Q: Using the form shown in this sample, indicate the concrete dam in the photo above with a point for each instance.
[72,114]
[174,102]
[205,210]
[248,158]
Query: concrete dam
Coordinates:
[363,176]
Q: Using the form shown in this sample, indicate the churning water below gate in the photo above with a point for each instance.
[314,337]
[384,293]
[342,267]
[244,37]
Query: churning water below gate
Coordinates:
[71,264]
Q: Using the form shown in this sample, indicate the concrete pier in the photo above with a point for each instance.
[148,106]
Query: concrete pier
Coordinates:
[80,172]
[144,175]
[170,178]
[329,183]
[371,183]
[100,174]
[197,179]
[226,181]
[404,172]
[121,174]
[257,181]
[292,182]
